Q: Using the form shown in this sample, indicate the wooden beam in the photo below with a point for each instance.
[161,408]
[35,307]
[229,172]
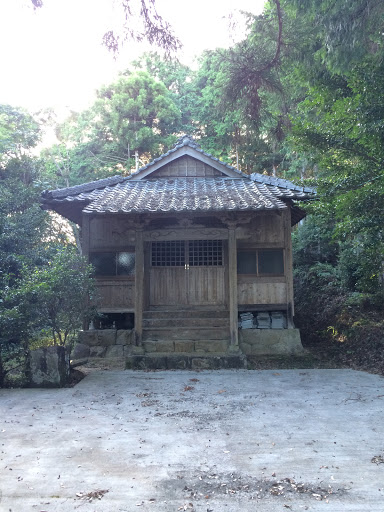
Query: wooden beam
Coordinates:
[232,285]
[139,286]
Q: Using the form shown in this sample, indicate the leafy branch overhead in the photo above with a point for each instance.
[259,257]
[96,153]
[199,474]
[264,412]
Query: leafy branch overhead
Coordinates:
[139,21]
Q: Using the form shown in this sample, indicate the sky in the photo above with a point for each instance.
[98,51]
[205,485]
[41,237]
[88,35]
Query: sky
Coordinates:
[53,57]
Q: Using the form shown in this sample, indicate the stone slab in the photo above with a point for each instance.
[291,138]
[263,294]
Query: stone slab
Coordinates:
[80,350]
[88,338]
[184,346]
[97,351]
[255,342]
[211,346]
[124,337]
[115,351]
[165,346]
[49,367]
[105,337]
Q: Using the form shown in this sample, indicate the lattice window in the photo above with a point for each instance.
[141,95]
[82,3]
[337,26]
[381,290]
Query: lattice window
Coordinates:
[205,253]
[168,254]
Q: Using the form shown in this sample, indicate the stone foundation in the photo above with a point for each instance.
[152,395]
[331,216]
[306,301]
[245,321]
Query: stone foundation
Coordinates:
[115,344]
[263,342]
[185,362]
[107,343]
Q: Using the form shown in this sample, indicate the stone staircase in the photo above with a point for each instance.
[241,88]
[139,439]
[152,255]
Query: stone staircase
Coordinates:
[190,338]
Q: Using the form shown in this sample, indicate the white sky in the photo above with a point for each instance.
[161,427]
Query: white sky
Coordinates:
[52,57]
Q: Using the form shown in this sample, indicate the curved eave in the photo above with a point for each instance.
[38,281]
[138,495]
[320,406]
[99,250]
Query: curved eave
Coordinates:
[297,214]
[72,211]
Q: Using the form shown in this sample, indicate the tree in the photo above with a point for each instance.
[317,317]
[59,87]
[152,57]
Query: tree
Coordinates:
[346,31]
[131,122]
[40,287]
[179,80]
[58,295]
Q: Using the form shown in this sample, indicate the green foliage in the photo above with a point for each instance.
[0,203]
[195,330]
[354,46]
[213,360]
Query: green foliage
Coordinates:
[53,297]
[41,287]
[179,80]
[59,292]
[313,242]
[135,117]
[18,133]
[347,30]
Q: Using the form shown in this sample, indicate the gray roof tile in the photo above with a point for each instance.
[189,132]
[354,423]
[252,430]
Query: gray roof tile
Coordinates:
[181,195]
[128,194]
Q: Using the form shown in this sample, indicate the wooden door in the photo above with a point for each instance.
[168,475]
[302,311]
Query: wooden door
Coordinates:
[188,272]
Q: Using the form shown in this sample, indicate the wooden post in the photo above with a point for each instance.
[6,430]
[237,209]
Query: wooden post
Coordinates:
[288,265]
[139,286]
[84,238]
[232,285]
[84,249]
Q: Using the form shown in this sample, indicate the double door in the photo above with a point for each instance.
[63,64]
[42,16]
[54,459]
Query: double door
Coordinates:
[187,272]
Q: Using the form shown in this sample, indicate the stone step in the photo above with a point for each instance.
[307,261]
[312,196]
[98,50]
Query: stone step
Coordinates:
[207,346]
[187,333]
[186,362]
[186,313]
[182,323]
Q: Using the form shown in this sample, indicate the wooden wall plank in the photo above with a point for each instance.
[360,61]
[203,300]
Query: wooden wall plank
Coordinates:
[206,286]
[119,295]
[111,232]
[186,166]
[167,286]
[262,293]
[186,234]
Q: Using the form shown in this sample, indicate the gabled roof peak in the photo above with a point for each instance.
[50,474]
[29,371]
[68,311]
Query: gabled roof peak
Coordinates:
[187,140]
[186,145]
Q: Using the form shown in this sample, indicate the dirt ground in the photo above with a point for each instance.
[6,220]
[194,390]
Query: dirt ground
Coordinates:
[210,441]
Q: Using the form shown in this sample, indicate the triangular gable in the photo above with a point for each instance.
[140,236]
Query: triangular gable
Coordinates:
[186,147]
[186,166]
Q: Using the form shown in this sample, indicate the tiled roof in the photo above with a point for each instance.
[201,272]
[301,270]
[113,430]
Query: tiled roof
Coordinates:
[85,187]
[136,194]
[182,195]
[296,191]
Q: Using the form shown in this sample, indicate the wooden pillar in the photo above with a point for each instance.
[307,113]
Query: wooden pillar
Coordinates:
[84,249]
[84,238]
[139,286]
[232,285]
[288,265]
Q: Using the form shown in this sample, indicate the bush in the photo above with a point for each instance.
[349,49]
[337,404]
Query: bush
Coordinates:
[46,306]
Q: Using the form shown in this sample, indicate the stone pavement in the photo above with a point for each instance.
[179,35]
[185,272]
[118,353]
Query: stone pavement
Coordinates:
[209,441]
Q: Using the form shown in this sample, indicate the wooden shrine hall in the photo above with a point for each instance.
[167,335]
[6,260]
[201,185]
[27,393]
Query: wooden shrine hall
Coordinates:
[192,258]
